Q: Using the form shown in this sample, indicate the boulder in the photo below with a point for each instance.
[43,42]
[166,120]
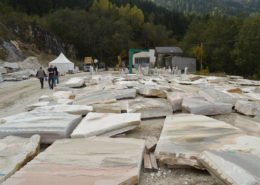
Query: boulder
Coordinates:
[2,70]
[15,152]
[175,99]
[153,91]
[11,66]
[149,107]
[202,107]
[232,167]
[75,82]
[49,125]
[185,136]
[106,124]
[107,108]
[1,78]
[248,108]
[85,161]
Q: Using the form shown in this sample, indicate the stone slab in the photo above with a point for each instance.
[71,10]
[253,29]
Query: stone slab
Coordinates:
[185,136]
[149,107]
[232,168]
[216,96]
[202,107]
[108,124]
[49,125]
[95,97]
[85,161]
[107,108]
[249,125]
[248,108]
[71,109]
[15,152]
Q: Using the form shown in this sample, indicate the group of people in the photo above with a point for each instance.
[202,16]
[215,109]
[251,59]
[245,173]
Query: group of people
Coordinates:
[53,76]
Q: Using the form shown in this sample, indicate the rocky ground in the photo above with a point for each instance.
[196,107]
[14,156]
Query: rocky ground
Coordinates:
[16,95]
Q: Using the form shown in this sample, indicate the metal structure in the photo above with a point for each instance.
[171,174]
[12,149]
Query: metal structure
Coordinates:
[131,53]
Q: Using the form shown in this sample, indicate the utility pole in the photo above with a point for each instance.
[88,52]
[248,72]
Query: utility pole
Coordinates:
[201,47]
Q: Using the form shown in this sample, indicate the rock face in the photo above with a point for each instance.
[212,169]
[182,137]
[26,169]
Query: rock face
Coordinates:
[75,82]
[248,108]
[49,125]
[15,152]
[106,124]
[11,66]
[201,107]
[2,70]
[152,91]
[149,107]
[185,136]
[232,167]
[92,161]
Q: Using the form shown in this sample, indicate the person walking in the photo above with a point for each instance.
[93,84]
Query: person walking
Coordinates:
[56,76]
[51,76]
[40,75]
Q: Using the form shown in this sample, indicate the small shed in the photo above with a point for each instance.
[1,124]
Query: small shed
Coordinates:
[63,64]
[163,53]
[182,62]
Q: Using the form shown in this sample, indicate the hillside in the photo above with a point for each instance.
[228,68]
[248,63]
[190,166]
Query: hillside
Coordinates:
[230,7]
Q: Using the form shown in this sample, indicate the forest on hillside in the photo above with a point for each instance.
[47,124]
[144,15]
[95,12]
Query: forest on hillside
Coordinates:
[105,29]
[213,7]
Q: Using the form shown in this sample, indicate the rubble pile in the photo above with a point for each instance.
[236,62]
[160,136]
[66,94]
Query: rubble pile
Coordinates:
[86,120]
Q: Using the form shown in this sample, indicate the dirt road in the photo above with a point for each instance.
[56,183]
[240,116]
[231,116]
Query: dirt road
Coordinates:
[14,96]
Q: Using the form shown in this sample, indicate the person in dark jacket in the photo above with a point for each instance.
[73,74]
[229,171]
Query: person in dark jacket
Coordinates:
[51,76]
[41,74]
[56,76]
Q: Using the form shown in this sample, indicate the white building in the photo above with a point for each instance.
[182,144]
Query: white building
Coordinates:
[63,64]
[144,59]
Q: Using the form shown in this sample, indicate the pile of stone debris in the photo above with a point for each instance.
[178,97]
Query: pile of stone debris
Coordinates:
[12,71]
[83,116]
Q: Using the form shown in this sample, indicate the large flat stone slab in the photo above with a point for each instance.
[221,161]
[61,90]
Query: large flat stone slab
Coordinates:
[233,168]
[106,124]
[248,108]
[107,108]
[71,109]
[185,136]
[249,125]
[95,97]
[150,107]
[217,96]
[85,161]
[202,107]
[49,125]
[15,152]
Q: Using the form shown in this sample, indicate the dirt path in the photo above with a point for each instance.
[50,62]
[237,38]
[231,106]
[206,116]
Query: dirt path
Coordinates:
[14,96]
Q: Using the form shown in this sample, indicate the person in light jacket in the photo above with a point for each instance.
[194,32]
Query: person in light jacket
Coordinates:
[40,75]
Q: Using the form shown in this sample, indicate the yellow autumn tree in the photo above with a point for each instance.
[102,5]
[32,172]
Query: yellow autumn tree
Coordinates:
[199,54]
